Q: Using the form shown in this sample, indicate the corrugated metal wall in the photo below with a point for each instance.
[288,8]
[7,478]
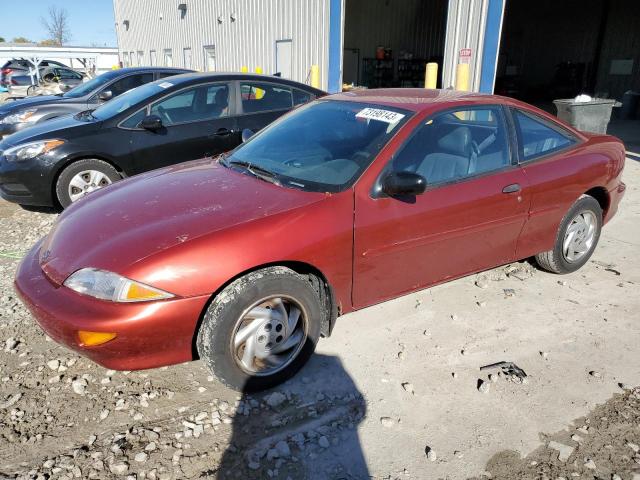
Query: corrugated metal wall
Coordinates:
[249,40]
[466,20]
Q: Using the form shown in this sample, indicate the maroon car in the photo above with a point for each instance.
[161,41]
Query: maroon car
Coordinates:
[353,199]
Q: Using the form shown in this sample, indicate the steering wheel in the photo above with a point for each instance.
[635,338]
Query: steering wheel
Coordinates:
[164,113]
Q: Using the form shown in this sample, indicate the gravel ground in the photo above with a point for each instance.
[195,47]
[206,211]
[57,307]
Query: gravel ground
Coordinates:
[396,393]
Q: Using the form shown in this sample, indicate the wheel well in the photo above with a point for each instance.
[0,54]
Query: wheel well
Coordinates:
[68,162]
[602,197]
[317,280]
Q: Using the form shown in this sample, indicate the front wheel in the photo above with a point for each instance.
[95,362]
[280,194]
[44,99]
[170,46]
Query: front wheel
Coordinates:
[577,237]
[261,329]
[83,177]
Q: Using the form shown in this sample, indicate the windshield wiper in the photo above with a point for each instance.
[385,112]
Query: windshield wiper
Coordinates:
[256,171]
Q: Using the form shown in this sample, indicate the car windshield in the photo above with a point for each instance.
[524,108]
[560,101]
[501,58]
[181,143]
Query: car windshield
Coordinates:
[88,87]
[128,99]
[324,146]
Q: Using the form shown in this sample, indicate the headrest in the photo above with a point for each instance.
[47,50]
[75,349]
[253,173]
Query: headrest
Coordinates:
[456,142]
[222,97]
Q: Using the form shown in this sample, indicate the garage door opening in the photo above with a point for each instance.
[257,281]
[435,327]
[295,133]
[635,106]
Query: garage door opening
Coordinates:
[388,43]
[552,49]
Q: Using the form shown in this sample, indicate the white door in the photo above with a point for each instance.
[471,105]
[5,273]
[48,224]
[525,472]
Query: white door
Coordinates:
[283,58]
[152,58]
[187,57]
[210,58]
[168,58]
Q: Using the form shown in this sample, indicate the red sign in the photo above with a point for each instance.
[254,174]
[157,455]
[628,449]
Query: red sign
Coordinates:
[465,55]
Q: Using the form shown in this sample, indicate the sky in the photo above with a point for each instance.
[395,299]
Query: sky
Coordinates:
[91,21]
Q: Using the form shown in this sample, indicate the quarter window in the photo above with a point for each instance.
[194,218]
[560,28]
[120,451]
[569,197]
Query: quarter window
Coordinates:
[265,97]
[536,138]
[134,120]
[455,145]
[300,97]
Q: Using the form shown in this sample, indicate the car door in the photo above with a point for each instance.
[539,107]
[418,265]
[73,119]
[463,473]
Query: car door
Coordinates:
[198,121]
[467,220]
[119,87]
[260,103]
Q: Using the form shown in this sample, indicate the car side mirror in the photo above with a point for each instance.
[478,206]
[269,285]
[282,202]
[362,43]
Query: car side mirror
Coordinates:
[246,134]
[105,96]
[151,122]
[397,184]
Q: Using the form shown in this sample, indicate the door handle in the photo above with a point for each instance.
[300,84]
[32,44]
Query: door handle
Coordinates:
[513,188]
[223,132]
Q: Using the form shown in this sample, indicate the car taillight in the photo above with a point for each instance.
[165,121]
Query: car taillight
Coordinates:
[7,71]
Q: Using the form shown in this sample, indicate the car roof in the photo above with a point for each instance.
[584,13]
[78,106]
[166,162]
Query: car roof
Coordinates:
[418,99]
[196,77]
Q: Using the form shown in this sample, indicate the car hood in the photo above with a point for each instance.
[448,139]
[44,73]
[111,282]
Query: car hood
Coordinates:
[54,128]
[116,227]
[10,107]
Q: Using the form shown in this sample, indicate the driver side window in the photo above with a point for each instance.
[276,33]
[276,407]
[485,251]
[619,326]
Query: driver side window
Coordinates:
[455,145]
[201,103]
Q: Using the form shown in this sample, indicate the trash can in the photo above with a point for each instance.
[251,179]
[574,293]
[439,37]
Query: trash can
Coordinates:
[630,102]
[590,116]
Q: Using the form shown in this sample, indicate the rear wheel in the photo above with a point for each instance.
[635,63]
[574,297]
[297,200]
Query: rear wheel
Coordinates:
[261,329]
[577,237]
[83,177]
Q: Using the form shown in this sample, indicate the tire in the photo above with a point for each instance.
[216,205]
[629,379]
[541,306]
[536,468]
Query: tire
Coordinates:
[557,260]
[225,317]
[108,175]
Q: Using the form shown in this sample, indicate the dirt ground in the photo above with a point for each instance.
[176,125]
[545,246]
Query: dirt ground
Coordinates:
[393,394]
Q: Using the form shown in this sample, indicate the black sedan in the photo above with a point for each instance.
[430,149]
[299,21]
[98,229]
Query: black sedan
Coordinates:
[15,116]
[161,123]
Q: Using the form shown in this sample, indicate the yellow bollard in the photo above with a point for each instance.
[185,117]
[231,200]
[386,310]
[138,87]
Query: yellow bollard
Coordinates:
[315,76]
[462,77]
[259,70]
[431,75]
[244,69]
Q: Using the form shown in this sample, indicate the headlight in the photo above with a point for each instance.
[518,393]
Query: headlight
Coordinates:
[21,117]
[111,286]
[30,150]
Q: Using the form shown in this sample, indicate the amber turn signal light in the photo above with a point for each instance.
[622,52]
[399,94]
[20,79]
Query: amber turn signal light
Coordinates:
[91,339]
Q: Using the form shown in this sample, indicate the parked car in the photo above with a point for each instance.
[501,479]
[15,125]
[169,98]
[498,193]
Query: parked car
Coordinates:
[21,67]
[21,114]
[346,202]
[162,123]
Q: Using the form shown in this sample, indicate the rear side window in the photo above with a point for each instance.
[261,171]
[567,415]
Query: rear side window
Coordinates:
[536,138]
[265,97]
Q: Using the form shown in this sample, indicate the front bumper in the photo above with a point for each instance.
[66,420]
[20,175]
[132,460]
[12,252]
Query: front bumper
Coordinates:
[149,334]
[27,182]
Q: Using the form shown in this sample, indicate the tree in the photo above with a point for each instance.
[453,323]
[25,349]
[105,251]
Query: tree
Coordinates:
[48,43]
[2,40]
[21,40]
[57,25]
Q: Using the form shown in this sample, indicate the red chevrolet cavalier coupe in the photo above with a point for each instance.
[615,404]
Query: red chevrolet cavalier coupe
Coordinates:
[346,202]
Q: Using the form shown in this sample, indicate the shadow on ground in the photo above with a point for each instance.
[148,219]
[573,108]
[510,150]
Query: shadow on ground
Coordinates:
[306,429]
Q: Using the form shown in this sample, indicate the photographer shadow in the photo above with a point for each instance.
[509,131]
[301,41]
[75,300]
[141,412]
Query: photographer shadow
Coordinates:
[304,429]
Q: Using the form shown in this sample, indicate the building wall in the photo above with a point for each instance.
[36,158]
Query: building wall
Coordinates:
[466,22]
[249,40]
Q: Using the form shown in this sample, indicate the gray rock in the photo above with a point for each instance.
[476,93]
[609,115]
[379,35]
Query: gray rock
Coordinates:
[483,386]
[119,468]
[408,387]
[387,422]
[141,457]
[431,454]
[275,399]
[323,442]
[283,449]
[564,451]
[590,464]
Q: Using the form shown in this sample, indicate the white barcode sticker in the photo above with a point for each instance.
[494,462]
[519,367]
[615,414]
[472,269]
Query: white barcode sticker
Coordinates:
[381,115]
[165,85]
